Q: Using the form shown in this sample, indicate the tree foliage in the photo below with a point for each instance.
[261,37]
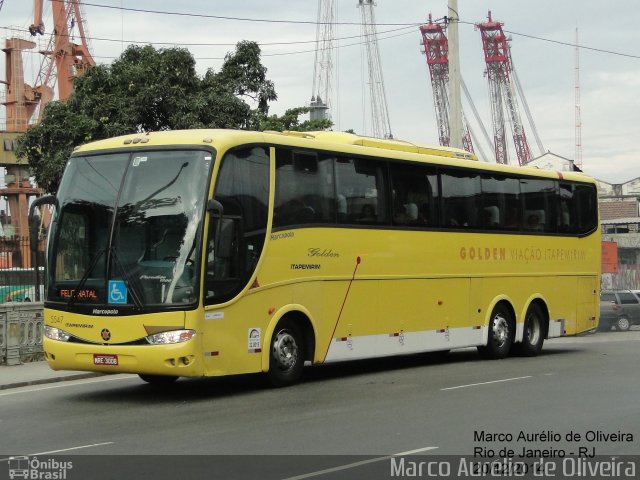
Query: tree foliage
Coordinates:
[291,121]
[145,90]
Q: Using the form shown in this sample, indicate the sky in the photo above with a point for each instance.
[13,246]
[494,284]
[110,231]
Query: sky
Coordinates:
[609,78]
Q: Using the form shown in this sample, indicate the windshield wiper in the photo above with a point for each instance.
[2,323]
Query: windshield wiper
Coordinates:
[132,288]
[142,203]
[85,277]
[134,294]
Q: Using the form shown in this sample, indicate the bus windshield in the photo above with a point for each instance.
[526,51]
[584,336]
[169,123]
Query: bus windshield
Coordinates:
[127,229]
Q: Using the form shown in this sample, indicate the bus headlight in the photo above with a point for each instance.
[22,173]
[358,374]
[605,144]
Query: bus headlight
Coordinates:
[56,334]
[174,336]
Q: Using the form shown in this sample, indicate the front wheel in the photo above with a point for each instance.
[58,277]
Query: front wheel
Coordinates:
[501,333]
[623,324]
[286,356]
[158,379]
[533,334]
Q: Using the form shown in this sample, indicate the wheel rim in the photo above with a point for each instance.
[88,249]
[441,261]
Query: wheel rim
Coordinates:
[623,323]
[500,330]
[285,350]
[533,329]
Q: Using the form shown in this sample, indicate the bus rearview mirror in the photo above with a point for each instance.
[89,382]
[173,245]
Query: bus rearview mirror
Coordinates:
[34,221]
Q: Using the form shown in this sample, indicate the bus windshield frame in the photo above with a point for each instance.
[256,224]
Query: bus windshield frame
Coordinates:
[127,232]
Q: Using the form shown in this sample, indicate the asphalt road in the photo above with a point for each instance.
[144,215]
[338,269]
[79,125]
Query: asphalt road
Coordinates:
[580,393]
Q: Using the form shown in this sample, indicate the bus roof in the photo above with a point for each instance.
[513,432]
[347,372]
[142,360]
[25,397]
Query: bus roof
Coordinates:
[199,136]
[324,140]
[385,144]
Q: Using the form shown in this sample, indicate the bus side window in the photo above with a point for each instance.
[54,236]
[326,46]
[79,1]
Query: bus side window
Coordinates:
[461,195]
[567,210]
[242,188]
[360,182]
[501,200]
[414,194]
[587,203]
[539,196]
[304,188]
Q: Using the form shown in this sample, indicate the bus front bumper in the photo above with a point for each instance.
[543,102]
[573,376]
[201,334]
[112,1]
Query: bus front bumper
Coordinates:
[178,360]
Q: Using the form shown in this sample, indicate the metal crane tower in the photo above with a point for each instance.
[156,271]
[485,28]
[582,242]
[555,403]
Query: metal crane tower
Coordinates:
[320,105]
[63,62]
[578,151]
[497,56]
[70,60]
[436,49]
[379,111]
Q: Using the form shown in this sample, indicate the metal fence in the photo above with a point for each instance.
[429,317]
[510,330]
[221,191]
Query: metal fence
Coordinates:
[21,313]
[21,271]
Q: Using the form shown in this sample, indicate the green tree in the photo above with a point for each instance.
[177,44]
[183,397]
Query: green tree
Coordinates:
[291,121]
[145,90]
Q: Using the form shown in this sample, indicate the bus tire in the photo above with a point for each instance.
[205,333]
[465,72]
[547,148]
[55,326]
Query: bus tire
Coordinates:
[534,332]
[286,355]
[501,333]
[158,379]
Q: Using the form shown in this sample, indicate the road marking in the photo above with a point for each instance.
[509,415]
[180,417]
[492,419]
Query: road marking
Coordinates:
[68,383]
[600,337]
[487,383]
[72,448]
[358,464]
[58,451]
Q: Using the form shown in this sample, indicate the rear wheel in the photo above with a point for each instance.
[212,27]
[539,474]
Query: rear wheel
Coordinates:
[158,379]
[533,334]
[286,356]
[501,333]
[623,324]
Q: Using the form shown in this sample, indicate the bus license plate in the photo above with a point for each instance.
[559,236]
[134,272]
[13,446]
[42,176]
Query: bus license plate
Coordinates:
[105,359]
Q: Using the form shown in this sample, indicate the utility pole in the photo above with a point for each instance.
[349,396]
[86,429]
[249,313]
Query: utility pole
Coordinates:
[455,102]
[436,49]
[577,159]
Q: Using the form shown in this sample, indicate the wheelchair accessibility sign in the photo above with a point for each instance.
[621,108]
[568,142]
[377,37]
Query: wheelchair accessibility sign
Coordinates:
[117,291]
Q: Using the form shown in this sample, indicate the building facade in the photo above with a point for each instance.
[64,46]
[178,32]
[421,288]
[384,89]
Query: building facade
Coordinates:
[620,220]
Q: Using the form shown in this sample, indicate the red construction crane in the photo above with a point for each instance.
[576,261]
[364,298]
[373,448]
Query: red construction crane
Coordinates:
[70,59]
[502,90]
[436,49]
[63,62]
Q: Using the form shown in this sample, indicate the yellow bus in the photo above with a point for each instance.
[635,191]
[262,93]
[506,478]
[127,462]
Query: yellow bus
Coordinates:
[217,252]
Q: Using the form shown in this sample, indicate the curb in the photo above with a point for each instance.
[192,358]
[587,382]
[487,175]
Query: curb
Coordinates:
[42,381]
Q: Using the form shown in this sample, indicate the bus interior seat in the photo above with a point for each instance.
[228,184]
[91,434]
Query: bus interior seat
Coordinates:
[411,210]
[341,208]
[564,220]
[406,214]
[491,216]
[534,219]
[306,215]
